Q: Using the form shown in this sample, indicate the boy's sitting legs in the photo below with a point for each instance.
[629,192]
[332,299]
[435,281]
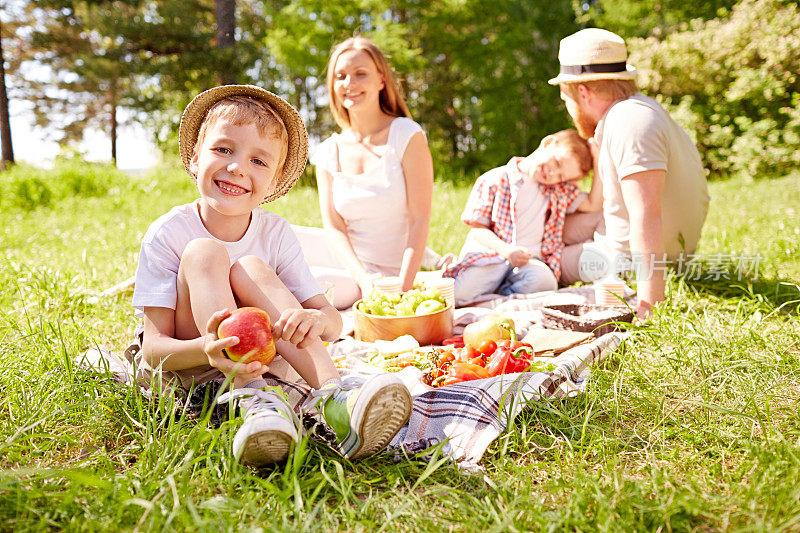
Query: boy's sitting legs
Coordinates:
[533,277]
[477,280]
[364,416]
[256,284]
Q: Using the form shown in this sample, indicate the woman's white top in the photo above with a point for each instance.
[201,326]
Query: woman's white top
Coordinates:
[373,204]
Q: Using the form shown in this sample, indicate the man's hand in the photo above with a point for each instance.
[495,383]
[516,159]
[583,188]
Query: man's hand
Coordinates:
[243,373]
[301,327]
[517,255]
[643,311]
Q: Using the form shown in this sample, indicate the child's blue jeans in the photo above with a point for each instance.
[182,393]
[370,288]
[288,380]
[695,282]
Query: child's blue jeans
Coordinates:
[502,278]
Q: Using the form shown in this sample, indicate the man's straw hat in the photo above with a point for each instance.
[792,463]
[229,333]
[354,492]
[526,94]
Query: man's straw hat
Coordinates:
[296,153]
[593,54]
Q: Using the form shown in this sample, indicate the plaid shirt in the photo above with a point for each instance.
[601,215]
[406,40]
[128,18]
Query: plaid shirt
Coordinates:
[492,203]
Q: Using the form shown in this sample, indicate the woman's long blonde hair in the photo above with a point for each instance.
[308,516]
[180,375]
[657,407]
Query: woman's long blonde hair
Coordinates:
[390,98]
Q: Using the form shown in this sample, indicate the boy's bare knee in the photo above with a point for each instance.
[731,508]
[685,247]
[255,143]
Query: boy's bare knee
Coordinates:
[250,268]
[204,253]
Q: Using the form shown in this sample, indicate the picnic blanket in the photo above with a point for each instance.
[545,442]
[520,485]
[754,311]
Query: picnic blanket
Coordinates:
[464,418]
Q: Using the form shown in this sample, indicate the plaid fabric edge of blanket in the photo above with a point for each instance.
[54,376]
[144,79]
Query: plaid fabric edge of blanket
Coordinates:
[466,418]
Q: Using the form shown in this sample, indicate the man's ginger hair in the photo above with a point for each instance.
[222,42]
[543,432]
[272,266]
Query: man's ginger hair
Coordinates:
[606,89]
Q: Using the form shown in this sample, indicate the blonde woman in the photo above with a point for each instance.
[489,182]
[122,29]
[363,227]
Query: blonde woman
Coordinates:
[375,179]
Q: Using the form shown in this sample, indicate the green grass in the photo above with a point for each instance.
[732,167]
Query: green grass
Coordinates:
[693,425]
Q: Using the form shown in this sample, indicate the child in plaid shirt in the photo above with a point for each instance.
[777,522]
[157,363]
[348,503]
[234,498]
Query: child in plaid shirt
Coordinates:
[516,213]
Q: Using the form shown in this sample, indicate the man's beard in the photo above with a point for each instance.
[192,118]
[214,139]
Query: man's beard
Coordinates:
[585,125]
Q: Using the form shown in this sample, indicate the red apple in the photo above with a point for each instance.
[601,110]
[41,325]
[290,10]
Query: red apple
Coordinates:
[254,330]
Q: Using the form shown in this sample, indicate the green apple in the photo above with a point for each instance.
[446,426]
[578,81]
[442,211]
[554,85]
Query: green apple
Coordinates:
[489,328]
[429,306]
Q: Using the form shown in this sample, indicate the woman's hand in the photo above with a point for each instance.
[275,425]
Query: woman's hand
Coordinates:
[301,327]
[366,283]
[243,373]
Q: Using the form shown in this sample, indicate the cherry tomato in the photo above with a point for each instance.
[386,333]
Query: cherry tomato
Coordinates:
[447,357]
[487,348]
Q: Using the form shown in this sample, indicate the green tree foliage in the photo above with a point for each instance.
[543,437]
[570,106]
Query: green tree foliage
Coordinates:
[733,83]
[474,72]
[483,91]
[640,18]
[103,55]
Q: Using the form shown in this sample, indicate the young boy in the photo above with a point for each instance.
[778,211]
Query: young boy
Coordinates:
[244,146]
[517,220]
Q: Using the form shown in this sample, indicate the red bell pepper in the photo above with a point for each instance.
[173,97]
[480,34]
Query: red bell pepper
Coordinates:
[499,361]
[466,353]
[520,360]
[509,358]
[478,361]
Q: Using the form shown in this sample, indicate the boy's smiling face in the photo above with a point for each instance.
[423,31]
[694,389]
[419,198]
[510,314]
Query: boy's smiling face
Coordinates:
[552,163]
[235,167]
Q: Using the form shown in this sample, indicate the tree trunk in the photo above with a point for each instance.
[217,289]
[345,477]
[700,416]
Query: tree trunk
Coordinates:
[114,134]
[5,120]
[226,26]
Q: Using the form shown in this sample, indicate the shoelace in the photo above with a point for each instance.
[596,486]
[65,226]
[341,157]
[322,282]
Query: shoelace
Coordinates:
[320,396]
[254,400]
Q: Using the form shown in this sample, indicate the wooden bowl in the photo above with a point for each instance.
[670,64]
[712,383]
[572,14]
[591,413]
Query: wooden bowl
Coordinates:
[432,328]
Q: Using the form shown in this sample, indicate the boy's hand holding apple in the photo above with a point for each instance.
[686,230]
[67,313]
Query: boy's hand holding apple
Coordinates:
[215,348]
[301,327]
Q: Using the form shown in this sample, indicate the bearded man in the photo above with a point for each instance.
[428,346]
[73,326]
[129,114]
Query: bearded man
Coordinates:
[655,196]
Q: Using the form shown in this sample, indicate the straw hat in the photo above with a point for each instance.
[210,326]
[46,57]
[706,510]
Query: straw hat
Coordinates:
[593,54]
[296,153]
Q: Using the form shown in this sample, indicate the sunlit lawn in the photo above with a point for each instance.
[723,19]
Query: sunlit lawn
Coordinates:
[694,424]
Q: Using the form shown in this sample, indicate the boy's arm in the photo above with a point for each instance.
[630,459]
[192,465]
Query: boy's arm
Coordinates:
[317,319]
[594,202]
[516,255]
[161,349]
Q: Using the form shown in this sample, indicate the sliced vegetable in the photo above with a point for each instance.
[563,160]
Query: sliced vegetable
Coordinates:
[467,371]
[457,342]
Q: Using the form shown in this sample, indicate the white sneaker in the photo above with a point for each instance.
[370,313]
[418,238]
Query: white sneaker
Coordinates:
[270,426]
[364,414]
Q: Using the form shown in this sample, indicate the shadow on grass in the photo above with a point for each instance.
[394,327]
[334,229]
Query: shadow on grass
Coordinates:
[780,295]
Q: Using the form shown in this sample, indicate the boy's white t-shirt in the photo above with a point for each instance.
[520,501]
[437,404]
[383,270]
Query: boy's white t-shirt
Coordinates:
[531,207]
[269,237]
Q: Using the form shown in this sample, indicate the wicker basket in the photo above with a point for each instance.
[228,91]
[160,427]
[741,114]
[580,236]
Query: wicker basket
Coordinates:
[597,319]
